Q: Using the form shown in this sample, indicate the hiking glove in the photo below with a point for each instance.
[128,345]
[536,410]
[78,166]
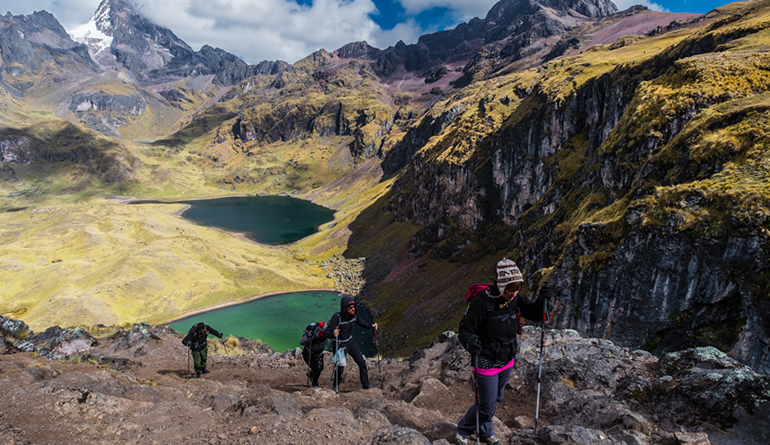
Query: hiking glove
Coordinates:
[474,347]
[220,336]
[546,292]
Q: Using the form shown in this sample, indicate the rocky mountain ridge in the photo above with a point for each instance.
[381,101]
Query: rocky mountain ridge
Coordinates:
[119,36]
[131,385]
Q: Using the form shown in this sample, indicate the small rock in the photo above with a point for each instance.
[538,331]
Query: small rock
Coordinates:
[254,431]
[693,438]
[524,423]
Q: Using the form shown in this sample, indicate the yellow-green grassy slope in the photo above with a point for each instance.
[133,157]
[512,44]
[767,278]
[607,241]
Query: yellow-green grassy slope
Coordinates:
[721,155]
[98,261]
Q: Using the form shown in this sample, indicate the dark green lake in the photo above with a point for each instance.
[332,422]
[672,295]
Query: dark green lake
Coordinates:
[279,320]
[264,219]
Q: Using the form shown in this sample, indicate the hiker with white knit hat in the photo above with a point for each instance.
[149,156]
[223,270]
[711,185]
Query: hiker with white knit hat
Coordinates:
[488,331]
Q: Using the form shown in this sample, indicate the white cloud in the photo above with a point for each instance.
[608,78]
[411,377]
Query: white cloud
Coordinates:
[268,29]
[254,30]
[257,30]
[464,9]
[625,4]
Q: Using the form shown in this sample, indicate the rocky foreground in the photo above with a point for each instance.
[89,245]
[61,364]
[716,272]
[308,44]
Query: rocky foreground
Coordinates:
[133,386]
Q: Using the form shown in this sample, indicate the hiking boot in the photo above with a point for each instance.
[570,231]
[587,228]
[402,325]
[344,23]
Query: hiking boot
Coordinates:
[206,371]
[197,375]
[491,440]
[460,440]
[366,386]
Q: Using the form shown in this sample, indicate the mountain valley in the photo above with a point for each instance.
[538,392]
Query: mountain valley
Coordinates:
[623,153]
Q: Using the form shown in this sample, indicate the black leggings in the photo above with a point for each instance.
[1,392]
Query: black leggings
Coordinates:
[351,349]
[316,363]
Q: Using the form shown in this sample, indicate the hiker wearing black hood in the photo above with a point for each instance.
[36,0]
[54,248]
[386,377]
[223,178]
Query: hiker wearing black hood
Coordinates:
[196,341]
[488,331]
[341,327]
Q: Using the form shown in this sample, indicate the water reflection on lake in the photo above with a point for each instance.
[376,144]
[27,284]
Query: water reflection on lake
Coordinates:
[264,219]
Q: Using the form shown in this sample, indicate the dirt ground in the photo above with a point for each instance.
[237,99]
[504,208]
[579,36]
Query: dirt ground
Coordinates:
[142,391]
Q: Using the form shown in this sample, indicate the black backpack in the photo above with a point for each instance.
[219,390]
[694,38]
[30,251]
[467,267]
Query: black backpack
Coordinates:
[307,343]
[476,289]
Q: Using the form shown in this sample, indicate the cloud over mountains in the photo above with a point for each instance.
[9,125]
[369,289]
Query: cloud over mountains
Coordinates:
[257,30]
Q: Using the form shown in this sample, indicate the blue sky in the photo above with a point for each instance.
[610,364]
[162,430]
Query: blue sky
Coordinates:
[257,30]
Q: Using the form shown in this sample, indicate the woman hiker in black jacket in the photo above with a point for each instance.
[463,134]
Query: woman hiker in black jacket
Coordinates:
[341,327]
[196,341]
[488,331]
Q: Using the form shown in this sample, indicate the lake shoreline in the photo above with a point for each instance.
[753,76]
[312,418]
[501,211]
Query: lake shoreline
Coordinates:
[249,233]
[250,299]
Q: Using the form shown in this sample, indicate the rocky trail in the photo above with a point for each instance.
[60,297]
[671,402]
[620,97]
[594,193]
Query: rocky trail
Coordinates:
[133,386]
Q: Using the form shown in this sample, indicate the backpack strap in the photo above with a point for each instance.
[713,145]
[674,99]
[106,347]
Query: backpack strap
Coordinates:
[507,317]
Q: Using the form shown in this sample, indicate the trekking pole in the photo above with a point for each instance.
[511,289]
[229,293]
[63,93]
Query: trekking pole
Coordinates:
[189,353]
[337,367]
[478,398]
[224,346]
[540,367]
[456,357]
[377,345]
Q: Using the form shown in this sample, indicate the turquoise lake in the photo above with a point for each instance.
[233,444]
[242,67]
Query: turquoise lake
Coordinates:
[264,219]
[279,320]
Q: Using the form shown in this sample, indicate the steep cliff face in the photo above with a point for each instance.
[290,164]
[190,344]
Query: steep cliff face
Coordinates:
[620,180]
[667,291]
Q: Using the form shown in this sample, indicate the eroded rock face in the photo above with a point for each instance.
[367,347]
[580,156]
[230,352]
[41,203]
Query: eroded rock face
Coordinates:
[56,342]
[593,391]
[13,328]
[705,274]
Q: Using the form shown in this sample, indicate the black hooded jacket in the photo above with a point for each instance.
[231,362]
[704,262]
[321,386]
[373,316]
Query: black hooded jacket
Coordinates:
[345,323]
[196,338]
[496,327]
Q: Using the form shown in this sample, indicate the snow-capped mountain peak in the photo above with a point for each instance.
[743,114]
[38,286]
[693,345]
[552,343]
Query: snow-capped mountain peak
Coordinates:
[96,34]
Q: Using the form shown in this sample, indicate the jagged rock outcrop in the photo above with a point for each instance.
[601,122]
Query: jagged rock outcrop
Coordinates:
[592,392]
[27,42]
[19,147]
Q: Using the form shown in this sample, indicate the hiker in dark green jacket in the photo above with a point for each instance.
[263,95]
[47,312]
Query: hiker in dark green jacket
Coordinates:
[196,341]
